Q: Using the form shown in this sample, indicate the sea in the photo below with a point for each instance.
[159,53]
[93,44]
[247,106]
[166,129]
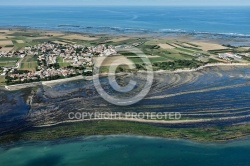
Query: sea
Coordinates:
[228,21]
[125,150]
[130,150]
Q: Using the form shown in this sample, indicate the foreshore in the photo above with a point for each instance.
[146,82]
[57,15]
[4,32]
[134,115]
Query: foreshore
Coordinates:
[145,121]
[47,83]
[203,67]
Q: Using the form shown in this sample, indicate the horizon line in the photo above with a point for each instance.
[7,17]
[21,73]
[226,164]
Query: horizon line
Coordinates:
[21,5]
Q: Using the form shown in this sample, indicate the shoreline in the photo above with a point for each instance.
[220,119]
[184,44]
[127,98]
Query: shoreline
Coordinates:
[218,38]
[142,121]
[47,83]
[200,134]
[203,67]
[226,142]
[118,31]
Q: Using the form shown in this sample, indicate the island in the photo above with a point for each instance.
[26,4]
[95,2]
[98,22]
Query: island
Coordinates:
[41,72]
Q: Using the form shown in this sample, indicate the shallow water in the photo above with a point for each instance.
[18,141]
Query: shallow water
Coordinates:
[125,150]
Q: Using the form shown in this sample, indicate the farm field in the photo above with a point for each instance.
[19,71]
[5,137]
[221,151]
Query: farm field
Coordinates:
[8,62]
[29,62]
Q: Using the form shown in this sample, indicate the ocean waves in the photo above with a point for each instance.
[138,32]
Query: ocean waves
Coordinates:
[229,22]
[129,31]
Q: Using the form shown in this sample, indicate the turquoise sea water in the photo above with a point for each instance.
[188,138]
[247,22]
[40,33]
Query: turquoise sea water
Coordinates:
[215,20]
[125,150]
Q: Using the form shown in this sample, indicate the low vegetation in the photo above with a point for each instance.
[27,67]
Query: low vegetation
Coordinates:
[178,64]
[201,134]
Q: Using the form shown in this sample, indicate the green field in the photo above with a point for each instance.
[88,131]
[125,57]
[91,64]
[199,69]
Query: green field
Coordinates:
[59,60]
[19,46]
[127,54]
[2,80]
[178,56]
[160,55]
[61,63]
[136,60]
[185,50]
[31,66]
[26,34]
[29,62]
[64,64]
[104,69]
[158,59]
[8,62]
[9,59]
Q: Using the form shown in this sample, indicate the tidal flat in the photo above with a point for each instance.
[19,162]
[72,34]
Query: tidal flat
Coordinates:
[217,95]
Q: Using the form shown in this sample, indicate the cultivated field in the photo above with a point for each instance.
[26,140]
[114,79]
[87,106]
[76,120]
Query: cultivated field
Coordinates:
[79,37]
[209,46]
[29,62]
[5,42]
[166,46]
[115,60]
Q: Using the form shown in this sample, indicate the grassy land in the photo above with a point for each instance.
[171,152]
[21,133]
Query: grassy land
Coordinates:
[220,51]
[59,60]
[202,134]
[178,56]
[159,55]
[61,63]
[9,59]
[127,54]
[64,64]
[29,62]
[2,80]
[104,69]
[191,44]
[6,62]
[19,46]
[31,66]
[136,60]
[185,50]
[26,34]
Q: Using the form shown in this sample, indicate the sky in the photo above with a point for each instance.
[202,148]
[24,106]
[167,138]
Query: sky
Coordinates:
[125,2]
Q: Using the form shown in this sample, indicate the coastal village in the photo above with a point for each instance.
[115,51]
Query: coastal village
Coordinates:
[32,56]
[77,60]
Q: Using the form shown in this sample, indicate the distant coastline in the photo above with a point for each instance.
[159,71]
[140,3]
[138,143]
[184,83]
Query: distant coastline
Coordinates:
[118,31]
